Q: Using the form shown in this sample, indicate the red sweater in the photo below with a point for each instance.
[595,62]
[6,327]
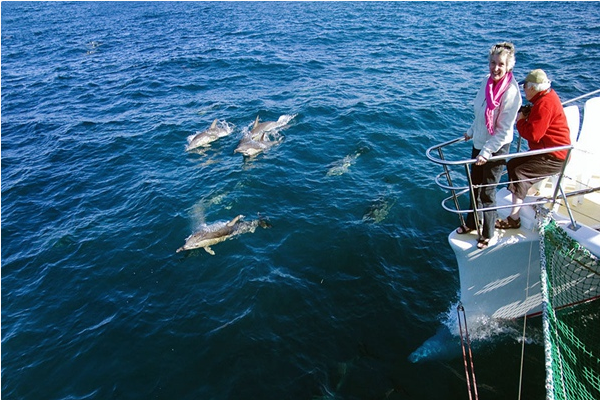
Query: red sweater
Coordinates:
[546,125]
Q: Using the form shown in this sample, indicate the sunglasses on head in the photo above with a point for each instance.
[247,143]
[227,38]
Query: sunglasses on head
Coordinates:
[505,46]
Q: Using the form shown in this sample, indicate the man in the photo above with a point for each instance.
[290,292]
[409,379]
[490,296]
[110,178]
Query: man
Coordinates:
[544,127]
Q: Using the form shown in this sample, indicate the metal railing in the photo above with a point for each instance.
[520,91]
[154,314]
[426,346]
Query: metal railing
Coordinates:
[457,191]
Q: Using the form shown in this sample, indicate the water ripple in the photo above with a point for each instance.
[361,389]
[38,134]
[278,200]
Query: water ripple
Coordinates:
[98,99]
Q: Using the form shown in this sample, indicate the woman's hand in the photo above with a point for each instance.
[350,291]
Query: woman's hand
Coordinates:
[467,137]
[480,160]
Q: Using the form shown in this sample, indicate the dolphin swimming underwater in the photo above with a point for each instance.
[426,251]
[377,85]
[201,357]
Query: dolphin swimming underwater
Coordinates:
[220,231]
[340,167]
[379,210]
[213,133]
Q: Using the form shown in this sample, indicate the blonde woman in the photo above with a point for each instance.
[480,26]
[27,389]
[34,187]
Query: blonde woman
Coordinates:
[496,106]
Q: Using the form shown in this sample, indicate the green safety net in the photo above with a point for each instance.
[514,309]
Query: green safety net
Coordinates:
[570,288]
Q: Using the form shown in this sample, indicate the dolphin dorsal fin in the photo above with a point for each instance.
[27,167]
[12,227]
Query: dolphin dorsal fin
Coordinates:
[214,124]
[255,123]
[235,220]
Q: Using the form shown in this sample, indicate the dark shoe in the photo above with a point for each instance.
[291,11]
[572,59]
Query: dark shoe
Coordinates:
[483,243]
[508,223]
[461,230]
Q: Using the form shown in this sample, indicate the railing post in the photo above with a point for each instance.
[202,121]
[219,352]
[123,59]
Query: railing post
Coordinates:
[559,181]
[473,198]
[449,180]
[558,188]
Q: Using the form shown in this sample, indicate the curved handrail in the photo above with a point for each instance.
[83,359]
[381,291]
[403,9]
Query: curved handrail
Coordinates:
[495,158]
[441,146]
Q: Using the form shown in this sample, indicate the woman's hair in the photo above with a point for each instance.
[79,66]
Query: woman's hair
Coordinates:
[504,48]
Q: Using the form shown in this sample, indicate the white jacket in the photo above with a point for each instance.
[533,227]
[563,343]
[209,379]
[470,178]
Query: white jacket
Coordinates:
[504,120]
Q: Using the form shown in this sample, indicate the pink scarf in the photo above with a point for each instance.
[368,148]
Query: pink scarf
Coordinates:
[492,98]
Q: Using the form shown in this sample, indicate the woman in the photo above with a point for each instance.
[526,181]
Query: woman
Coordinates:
[496,106]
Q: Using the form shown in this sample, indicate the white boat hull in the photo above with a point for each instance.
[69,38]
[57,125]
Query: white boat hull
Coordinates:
[503,281]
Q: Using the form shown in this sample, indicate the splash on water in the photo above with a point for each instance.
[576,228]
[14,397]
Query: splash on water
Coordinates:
[445,344]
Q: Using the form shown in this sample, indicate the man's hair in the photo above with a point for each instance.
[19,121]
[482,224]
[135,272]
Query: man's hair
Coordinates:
[504,48]
[539,87]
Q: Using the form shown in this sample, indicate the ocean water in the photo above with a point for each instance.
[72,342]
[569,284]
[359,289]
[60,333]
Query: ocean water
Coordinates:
[355,273]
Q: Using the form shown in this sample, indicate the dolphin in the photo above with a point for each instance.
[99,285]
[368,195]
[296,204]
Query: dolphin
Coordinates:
[220,231]
[379,210]
[250,147]
[210,135]
[340,167]
[262,136]
[259,128]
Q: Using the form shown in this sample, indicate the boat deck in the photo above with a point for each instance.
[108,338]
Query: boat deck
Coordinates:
[585,210]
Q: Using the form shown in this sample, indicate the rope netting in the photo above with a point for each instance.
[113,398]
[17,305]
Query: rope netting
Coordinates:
[570,278]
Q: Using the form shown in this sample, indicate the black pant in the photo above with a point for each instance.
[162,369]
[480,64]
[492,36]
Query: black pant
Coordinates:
[486,174]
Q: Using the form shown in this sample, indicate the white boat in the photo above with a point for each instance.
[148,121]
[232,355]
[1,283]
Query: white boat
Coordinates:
[502,281]
[509,279]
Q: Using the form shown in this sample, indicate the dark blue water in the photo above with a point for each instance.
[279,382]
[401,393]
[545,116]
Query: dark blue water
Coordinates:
[355,274]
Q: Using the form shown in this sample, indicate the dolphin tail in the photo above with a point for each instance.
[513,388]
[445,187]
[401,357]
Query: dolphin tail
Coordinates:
[214,124]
